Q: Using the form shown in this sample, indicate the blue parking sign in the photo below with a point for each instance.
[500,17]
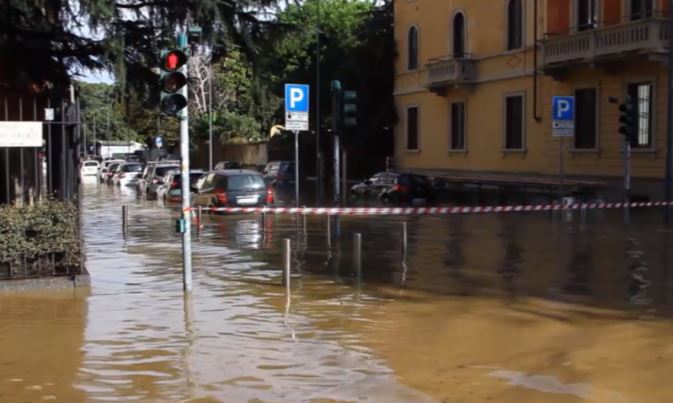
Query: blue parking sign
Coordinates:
[563,116]
[296,97]
[563,108]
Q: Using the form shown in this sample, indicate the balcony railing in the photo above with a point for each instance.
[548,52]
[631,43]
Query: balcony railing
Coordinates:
[644,36]
[447,71]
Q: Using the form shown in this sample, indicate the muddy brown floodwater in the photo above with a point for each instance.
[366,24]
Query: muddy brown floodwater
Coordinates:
[507,308]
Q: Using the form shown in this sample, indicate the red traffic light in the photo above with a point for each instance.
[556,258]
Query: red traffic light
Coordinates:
[173,60]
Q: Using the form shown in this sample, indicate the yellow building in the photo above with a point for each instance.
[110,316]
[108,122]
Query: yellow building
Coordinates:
[473,91]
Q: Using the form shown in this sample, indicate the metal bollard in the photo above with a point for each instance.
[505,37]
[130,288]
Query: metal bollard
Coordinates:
[199,216]
[404,241]
[328,227]
[262,219]
[287,262]
[357,253]
[125,219]
[304,217]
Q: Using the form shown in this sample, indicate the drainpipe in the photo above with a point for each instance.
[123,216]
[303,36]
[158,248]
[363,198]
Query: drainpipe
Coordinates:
[536,115]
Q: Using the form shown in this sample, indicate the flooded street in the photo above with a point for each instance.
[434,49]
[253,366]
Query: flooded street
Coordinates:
[502,308]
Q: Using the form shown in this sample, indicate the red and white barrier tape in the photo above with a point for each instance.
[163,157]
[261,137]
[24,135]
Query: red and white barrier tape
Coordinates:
[428,210]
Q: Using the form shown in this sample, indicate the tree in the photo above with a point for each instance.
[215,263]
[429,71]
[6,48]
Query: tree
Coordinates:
[241,111]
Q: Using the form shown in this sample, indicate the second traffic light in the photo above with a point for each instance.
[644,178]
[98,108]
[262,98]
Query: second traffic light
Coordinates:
[173,80]
[350,109]
[628,123]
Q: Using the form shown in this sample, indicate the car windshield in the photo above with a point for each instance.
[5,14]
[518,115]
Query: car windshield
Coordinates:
[161,171]
[245,182]
[91,164]
[132,168]
[193,177]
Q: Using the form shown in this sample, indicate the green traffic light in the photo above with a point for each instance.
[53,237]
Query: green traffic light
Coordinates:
[172,104]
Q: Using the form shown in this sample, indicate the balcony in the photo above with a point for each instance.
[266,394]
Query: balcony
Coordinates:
[446,72]
[647,37]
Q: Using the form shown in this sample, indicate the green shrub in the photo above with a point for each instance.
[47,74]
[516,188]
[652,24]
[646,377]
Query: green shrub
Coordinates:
[31,231]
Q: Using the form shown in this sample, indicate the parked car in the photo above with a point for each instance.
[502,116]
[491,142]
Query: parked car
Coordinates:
[89,168]
[374,186]
[279,173]
[170,190]
[127,174]
[105,166]
[233,188]
[111,171]
[409,189]
[156,176]
[222,165]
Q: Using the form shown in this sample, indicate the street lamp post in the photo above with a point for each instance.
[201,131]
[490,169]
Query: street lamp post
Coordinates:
[210,114]
[318,153]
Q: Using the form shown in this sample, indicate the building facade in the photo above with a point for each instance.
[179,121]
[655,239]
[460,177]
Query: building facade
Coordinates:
[474,82]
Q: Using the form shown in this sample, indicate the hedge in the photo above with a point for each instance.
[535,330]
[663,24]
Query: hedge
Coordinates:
[49,227]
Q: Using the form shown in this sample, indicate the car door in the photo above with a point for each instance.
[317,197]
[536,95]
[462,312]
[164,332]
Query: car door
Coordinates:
[206,190]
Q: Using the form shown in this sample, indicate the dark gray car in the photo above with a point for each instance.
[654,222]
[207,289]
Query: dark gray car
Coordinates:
[233,188]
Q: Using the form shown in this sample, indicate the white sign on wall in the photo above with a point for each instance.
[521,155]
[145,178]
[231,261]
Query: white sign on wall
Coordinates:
[20,134]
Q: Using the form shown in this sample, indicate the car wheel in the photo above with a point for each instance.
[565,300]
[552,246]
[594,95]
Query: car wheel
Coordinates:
[385,199]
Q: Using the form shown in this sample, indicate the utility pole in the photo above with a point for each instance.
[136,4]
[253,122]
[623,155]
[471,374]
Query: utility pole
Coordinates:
[95,151]
[669,119]
[210,114]
[318,151]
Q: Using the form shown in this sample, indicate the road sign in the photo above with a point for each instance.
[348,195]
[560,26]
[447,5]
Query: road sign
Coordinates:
[159,141]
[563,116]
[296,107]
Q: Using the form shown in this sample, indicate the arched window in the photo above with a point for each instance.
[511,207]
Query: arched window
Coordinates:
[514,25]
[412,43]
[459,35]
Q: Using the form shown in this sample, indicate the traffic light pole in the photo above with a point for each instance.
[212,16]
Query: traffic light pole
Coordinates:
[186,199]
[669,119]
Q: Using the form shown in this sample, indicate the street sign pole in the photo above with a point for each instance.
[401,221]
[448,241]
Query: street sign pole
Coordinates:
[296,168]
[561,170]
[563,125]
[296,120]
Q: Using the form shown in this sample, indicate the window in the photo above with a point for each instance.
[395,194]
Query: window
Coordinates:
[412,57]
[457,126]
[514,25]
[585,119]
[641,9]
[412,128]
[587,16]
[514,122]
[640,95]
[459,35]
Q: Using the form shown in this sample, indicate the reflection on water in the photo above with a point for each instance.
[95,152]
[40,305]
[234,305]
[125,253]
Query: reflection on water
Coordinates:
[502,308]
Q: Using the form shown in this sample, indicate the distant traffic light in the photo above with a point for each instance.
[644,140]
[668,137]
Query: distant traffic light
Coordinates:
[628,122]
[173,80]
[350,109]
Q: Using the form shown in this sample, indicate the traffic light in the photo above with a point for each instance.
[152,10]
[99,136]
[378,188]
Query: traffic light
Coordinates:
[350,109]
[628,122]
[173,79]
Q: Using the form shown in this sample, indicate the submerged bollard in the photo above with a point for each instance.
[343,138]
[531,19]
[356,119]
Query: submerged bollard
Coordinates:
[584,215]
[199,215]
[404,241]
[125,219]
[328,230]
[304,217]
[287,262]
[262,219]
[357,253]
